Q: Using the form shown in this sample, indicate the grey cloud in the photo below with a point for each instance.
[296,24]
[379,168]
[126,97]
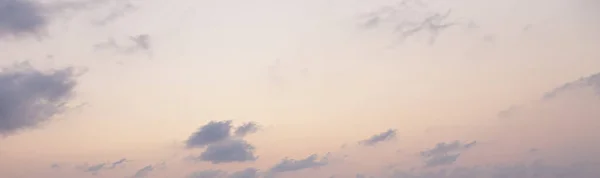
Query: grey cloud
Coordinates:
[55,166]
[231,150]
[95,168]
[120,11]
[208,174]
[212,132]
[287,165]
[592,81]
[381,137]
[29,97]
[30,17]
[445,153]
[532,170]
[144,172]
[246,173]
[247,128]
[137,43]
[117,163]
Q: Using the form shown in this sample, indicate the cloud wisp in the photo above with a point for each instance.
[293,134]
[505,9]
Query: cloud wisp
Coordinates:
[378,138]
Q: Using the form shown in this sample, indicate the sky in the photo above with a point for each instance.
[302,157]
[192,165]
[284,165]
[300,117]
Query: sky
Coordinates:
[295,89]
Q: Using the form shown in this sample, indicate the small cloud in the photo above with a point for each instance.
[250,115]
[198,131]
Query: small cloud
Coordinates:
[137,43]
[247,128]
[143,173]
[227,151]
[208,174]
[288,165]
[55,166]
[445,153]
[95,168]
[246,173]
[117,163]
[381,137]
[212,132]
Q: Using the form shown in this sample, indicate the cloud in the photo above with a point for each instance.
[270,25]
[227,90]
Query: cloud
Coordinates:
[227,151]
[247,128]
[530,170]
[137,43]
[117,163]
[246,173]
[381,137]
[592,81]
[144,172]
[55,166]
[20,18]
[212,132]
[29,97]
[445,153]
[288,165]
[208,174]
[95,168]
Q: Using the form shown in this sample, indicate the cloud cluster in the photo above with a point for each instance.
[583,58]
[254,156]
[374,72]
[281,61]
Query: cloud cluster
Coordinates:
[29,97]
[223,142]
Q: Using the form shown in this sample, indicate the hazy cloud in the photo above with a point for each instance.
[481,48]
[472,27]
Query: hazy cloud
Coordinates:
[246,173]
[445,153]
[117,163]
[245,129]
[287,165]
[95,168]
[381,137]
[592,81]
[212,132]
[227,151]
[136,44]
[208,174]
[144,172]
[29,97]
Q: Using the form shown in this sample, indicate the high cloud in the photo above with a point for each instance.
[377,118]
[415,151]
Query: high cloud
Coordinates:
[381,137]
[29,97]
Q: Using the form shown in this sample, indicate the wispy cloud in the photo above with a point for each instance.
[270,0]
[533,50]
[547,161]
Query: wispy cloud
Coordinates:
[381,137]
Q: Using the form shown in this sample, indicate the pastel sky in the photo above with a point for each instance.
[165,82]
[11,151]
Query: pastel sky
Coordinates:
[299,88]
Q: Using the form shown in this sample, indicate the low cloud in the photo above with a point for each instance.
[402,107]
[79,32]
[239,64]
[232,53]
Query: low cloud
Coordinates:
[228,151]
[208,174]
[144,172]
[117,163]
[245,129]
[288,165]
[381,137]
[30,97]
[20,18]
[212,132]
[246,173]
[445,153]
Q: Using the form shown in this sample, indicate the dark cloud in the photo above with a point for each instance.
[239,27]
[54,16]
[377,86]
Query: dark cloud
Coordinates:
[227,151]
[445,153]
[30,17]
[144,172]
[212,132]
[29,97]
[246,173]
[208,174]
[288,165]
[245,129]
[381,137]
